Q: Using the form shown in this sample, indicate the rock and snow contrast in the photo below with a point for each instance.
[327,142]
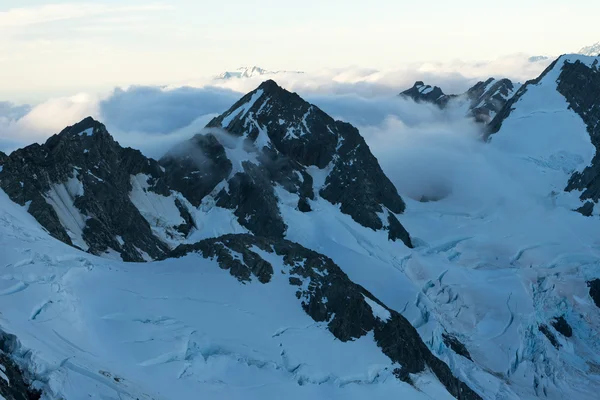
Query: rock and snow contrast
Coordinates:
[591,51]
[251,72]
[270,256]
[481,102]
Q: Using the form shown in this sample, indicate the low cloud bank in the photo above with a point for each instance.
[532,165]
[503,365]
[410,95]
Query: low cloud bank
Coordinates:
[428,153]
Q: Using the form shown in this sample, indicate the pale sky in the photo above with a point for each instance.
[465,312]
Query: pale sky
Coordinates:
[65,47]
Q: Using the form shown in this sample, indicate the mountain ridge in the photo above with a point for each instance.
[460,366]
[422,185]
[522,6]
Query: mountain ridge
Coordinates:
[251,72]
[480,102]
[90,192]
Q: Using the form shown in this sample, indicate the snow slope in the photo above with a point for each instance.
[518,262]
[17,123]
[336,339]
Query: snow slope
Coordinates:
[505,255]
[495,264]
[181,328]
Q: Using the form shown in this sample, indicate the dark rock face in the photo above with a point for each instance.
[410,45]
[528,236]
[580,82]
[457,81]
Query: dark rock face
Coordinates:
[456,345]
[548,333]
[485,98]
[422,93]
[288,137]
[562,326]
[346,308]
[196,167]
[580,85]
[85,167]
[253,198]
[488,98]
[587,210]
[20,387]
[594,286]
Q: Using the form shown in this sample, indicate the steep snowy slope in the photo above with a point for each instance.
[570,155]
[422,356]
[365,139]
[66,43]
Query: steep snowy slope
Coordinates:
[196,327]
[504,263]
[554,120]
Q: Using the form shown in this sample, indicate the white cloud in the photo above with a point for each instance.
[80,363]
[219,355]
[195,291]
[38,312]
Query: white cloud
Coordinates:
[454,77]
[151,117]
[45,119]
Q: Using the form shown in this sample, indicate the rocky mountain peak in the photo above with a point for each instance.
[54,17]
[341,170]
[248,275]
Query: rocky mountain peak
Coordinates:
[481,102]
[90,192]
[270,84]
[422,93]
[489,97]
[302,149]
[86,190]
[86,127]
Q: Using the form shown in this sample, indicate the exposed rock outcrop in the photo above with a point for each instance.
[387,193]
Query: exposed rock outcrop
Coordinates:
[327,295]
[78,186]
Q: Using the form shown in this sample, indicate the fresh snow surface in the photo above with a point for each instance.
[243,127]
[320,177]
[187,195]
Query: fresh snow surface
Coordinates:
[61,197]
[378,310]
[160,211]
[87,132]
[175,329]
[242,110]
[235,150]
[425,89]
[3,374]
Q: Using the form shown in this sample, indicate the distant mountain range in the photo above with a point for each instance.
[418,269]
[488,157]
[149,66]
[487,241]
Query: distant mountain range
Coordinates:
[592,50]
[251,72]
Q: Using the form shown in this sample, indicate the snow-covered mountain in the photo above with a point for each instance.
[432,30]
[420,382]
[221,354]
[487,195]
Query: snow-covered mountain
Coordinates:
[283,265]
[251,72]
[268,158]
[259,202]
[592,50]
[482,101]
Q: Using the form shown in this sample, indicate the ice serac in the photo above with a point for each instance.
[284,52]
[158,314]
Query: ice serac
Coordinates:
[15,384]
[328,296]
[90,192]
[303,150]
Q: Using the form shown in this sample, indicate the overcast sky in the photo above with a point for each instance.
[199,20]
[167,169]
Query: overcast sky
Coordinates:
[49,48]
